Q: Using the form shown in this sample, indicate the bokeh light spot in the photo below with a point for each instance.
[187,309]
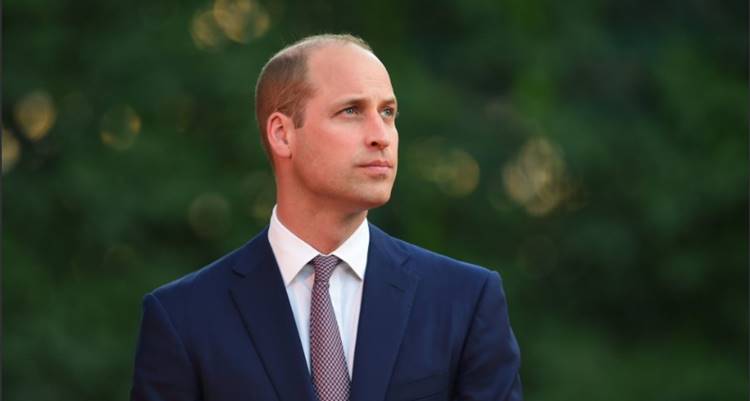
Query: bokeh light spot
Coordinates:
[119,127]
[536,177]
[209,215]
[453,170]
[241,20]
[262,22]
[456,173]
[35,114]
[11,150]
[206,33]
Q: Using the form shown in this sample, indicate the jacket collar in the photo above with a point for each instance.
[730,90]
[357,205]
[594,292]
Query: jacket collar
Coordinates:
[260,297]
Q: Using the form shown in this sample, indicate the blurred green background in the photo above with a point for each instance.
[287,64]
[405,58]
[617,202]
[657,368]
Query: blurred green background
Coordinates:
[593,152]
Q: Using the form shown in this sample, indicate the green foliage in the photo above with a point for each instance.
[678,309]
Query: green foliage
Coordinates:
[595,153]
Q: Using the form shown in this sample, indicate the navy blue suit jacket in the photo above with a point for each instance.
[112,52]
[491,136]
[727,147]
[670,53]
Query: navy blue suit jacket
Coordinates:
[430,328]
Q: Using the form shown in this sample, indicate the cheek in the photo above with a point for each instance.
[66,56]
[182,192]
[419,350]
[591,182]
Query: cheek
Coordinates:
[323,161]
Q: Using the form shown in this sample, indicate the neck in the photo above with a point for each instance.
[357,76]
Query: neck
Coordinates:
[322,228]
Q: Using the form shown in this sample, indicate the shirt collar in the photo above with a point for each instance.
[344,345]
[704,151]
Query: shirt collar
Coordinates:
[292,253]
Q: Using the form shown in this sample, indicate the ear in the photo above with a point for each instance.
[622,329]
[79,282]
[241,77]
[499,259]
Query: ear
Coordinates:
[280,132]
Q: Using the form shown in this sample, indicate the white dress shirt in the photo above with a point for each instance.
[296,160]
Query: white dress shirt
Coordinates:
[293,256]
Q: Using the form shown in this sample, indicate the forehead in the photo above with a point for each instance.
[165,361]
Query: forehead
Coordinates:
[338,70]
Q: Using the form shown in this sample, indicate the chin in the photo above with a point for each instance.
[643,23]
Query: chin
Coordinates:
[374,199]
[379,202]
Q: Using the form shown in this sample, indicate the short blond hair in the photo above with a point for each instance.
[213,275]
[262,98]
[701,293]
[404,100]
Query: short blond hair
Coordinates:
[283,84]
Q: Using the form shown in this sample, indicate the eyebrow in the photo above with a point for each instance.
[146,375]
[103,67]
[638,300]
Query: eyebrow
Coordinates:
[361,100]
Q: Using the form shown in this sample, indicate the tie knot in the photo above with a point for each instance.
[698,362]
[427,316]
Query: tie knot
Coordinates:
[324,266]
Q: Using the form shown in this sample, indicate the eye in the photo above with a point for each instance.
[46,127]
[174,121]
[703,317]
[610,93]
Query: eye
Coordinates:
[351,110]
[388,112]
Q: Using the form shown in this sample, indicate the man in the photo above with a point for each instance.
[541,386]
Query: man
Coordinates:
[322,305]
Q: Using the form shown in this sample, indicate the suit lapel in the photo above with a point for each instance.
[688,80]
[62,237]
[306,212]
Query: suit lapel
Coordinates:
[386,303]
[260,297]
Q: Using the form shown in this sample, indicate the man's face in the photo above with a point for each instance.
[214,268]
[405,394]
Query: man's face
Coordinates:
[345,154]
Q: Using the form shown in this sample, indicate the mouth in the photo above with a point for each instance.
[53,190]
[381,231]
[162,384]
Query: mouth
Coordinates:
[377,167]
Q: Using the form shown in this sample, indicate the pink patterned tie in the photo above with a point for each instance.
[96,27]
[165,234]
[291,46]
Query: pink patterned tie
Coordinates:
[329,371]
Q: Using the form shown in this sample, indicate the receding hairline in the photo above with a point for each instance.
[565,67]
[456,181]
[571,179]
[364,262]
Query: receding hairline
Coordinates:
[310,44]
[305,47]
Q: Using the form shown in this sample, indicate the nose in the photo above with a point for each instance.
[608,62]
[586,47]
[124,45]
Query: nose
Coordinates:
[379,134]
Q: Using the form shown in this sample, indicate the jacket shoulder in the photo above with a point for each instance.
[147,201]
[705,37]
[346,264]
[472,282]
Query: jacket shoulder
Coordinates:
[426,263]
[205,273]
[212,277]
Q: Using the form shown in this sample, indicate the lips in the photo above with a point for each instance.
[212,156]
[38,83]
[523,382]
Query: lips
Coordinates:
[377,163]
[380,168]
